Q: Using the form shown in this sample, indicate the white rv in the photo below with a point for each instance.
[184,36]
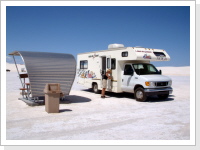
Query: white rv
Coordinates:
[131,71]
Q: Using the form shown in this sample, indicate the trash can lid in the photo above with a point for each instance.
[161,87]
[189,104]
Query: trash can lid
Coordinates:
[52,88]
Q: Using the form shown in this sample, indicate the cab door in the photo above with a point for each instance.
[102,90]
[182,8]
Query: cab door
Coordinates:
[127,77]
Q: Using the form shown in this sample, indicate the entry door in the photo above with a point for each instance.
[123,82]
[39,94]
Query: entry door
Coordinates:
[103,65]
[106,64]
[127,76]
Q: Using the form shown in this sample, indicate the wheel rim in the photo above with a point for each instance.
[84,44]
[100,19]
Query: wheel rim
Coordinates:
[95,88]
[139,94]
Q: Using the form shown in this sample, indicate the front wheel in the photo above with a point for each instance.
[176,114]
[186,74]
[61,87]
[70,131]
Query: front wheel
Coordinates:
[140,95]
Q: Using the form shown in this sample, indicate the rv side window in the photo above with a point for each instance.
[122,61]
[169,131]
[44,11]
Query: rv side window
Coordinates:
[113,63]
[108,63]
[83,64]
[124,54]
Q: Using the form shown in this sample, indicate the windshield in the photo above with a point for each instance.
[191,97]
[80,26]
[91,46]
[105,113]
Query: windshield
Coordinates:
[145,69]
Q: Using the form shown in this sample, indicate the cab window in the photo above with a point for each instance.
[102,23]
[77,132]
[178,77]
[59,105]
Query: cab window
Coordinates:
[128,70]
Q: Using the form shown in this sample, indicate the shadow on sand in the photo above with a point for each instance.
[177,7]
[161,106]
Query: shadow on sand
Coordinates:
[64,110]
[154,99]
[75,99]
[111,94]
[150,99]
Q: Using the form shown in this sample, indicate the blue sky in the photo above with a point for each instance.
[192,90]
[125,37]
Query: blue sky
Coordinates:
[78,29]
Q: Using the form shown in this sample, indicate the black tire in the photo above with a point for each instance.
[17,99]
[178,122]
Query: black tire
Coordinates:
[163,96]
[95,88]
[140,95]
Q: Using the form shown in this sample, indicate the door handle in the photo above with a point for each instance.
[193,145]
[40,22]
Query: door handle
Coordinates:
[122,80]
[136,77]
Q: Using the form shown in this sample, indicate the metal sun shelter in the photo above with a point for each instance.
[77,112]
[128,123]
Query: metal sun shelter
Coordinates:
[43,68]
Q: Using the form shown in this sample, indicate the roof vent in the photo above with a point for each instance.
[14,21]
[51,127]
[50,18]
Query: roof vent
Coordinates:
[111,46]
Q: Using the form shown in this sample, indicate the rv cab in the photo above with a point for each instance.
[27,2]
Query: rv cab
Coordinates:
[145,79]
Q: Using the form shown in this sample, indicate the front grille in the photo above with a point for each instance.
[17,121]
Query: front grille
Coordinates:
[161,83]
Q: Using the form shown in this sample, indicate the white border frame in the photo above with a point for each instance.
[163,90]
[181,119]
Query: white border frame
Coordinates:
[98,3]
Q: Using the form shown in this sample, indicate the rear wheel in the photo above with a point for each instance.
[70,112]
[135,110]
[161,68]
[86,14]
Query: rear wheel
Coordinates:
[95,88]
[140,95]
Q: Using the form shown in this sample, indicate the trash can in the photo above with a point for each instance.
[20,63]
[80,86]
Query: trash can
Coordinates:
[52,97]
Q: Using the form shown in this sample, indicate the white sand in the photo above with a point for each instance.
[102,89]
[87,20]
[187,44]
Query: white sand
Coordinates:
[88,117]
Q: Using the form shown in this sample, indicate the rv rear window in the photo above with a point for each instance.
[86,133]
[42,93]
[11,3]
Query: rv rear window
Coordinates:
[159,54]
[124,54]
[83,64]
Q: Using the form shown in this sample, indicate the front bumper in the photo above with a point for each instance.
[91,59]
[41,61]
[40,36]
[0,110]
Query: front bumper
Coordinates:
[157,91]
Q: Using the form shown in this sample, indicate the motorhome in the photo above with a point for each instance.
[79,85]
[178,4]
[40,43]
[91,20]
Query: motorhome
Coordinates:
[132,71]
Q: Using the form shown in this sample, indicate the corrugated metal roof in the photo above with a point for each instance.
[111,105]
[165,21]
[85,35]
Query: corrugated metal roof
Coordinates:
[44,67]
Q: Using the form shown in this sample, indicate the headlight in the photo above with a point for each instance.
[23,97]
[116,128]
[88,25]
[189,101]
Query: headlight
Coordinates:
[149,84]
[152,83]
[170,83]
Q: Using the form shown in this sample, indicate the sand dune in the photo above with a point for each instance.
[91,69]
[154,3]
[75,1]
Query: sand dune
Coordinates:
[12,67]
[175,71]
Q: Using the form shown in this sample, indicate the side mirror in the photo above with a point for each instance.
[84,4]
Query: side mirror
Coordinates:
[132,73]
[160,71]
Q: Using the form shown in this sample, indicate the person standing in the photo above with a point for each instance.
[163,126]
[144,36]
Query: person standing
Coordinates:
[104,82]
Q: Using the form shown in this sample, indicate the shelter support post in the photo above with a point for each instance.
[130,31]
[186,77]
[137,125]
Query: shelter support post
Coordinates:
[17,70]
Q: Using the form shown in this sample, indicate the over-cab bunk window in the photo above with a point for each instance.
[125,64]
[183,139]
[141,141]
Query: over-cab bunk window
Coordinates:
[159,54]
[83,64]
